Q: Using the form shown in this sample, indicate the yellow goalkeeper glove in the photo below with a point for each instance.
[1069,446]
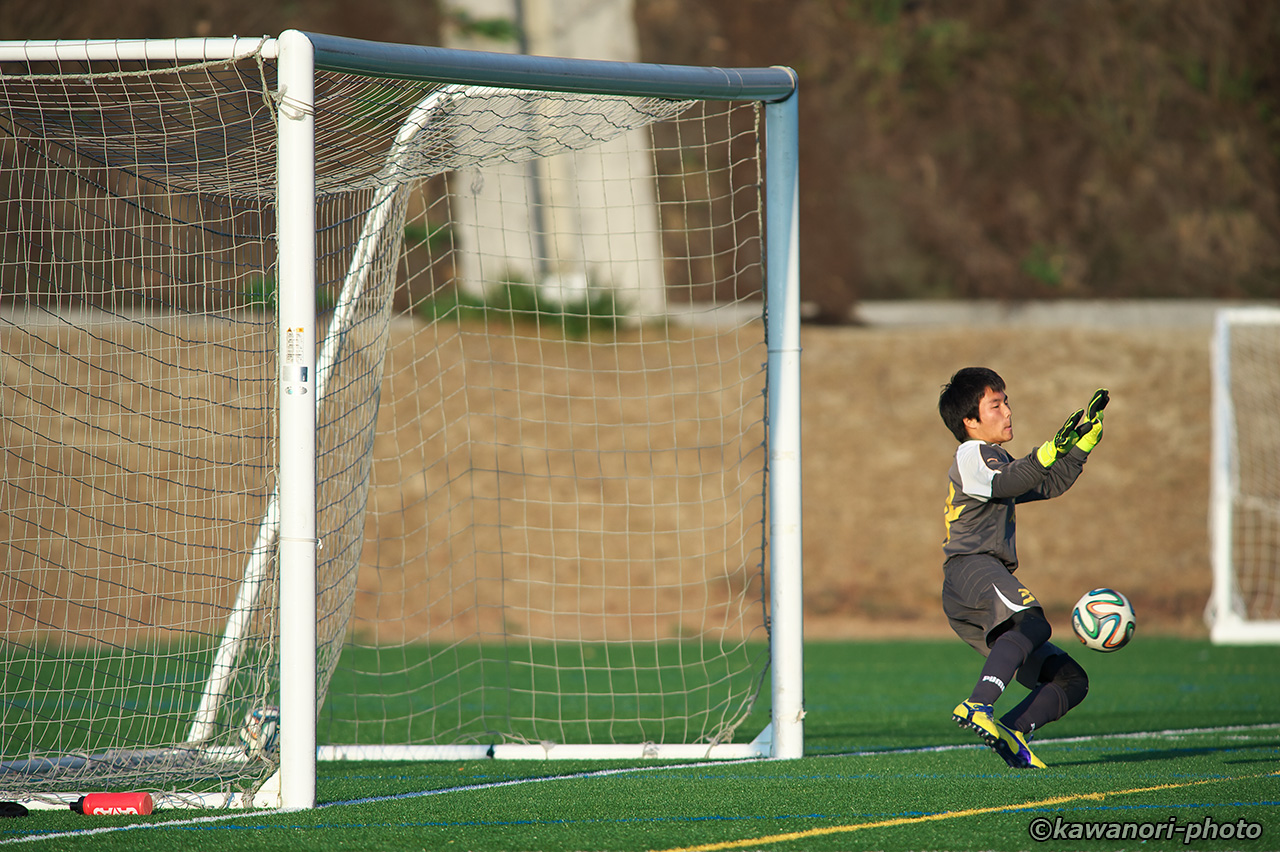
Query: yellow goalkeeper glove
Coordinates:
[1090,431]
[1050,451]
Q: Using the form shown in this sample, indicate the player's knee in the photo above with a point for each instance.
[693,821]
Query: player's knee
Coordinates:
[1069,675]
[1032,624]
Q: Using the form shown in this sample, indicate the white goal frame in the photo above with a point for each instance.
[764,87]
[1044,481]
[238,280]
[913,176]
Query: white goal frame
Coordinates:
[1227,612]
[291,519]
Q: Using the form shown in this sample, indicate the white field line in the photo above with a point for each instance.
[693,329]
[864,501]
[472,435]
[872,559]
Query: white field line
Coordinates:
[1171,733]
[601,773]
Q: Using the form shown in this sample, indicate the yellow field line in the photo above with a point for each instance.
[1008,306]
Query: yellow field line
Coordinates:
[914,820]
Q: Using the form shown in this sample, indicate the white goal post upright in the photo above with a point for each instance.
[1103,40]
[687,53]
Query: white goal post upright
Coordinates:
[298,404]
[1244,488]
[300,169]
[785,528]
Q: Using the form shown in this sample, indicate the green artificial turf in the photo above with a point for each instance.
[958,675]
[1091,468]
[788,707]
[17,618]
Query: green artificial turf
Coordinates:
[1173,733]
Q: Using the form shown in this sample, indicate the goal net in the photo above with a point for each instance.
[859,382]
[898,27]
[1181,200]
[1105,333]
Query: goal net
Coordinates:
[1245,485]
[535,332]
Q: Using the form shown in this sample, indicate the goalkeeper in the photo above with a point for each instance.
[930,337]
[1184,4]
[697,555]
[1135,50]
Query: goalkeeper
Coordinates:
[986,605]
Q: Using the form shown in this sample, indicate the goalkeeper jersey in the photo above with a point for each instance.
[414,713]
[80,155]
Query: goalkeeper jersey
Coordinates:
[986,484]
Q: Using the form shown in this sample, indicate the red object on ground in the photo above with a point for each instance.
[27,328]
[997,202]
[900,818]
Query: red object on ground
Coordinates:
[107,804]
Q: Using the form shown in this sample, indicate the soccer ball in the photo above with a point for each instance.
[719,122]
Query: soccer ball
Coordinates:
[1103,620]
[260,733]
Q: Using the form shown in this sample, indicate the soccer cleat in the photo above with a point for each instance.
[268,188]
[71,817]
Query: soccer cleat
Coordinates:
[1004,741]
[1026,757]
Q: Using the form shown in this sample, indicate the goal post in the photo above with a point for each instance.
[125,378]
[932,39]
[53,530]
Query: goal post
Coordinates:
[302,410]
[299,404]
[1244,505]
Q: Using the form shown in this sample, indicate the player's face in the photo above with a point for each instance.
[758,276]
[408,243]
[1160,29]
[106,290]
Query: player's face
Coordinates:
[995,419]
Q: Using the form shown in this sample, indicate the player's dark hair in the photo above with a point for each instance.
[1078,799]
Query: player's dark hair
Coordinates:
[960,397]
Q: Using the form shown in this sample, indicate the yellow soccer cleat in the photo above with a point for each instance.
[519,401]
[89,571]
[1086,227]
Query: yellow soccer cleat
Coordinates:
[1003,740]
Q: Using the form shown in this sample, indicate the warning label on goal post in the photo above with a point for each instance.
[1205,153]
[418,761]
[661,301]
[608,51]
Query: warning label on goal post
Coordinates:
[295,370]
[293,345]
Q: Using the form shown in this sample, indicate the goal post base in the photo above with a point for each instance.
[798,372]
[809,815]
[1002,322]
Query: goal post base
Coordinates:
[266,794]
[1237,631]
[760,747]
[172,801]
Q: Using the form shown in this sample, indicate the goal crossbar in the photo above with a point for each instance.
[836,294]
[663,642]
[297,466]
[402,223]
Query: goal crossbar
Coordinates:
[520,71]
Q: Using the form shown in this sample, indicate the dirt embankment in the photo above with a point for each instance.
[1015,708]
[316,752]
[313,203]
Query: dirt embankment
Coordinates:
[876,457]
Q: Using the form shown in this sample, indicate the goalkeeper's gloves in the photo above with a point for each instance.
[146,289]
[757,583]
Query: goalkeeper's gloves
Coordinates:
[1097,402]
[1090,431]
[1050,451]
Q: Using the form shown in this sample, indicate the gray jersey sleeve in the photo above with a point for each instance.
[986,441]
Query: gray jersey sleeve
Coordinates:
[985,485]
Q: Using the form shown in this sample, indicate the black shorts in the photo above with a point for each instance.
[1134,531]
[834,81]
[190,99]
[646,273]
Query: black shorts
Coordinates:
[979,593]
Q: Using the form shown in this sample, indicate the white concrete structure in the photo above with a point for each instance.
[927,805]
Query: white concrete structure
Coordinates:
[587,221]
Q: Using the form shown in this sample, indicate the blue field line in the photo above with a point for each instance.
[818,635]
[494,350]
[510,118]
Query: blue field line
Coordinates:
[778,818]
[211,823]
[602,773]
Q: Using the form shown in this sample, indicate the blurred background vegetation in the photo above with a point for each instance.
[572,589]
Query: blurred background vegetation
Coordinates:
[1001,149]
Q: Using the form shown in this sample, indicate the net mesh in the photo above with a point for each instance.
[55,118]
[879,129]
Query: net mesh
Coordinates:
[541,432]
